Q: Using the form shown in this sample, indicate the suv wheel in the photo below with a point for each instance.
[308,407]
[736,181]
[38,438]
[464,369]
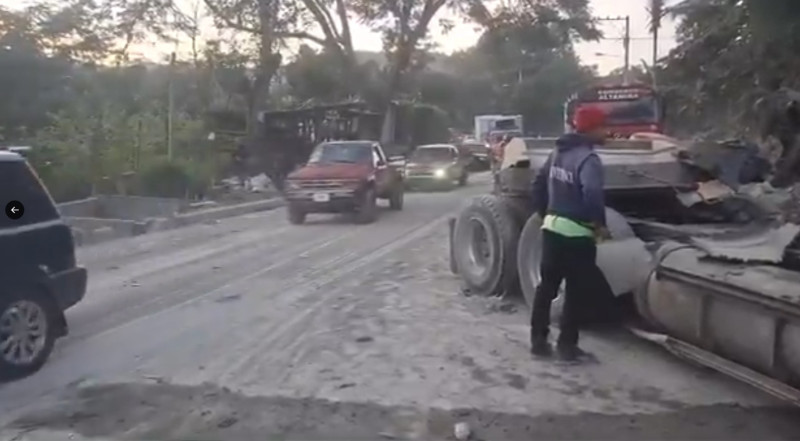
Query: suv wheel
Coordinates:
[368,209]
[296,215]
[28,330]
[396,199]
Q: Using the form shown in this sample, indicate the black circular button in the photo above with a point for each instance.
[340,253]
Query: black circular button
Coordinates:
[15,210]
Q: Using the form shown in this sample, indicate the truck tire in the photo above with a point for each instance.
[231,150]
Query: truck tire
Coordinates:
[451,228]
[37,318]
[530,248]
[485,246]
[462,180]
[368,208]
[296,215]
[397,197]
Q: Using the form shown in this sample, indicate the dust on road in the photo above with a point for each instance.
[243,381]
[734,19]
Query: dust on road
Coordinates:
[251,329]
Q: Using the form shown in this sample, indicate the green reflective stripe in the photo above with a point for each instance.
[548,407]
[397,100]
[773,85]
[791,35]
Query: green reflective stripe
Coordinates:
[565,227]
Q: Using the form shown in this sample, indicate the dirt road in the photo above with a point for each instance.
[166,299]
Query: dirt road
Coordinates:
[252,329]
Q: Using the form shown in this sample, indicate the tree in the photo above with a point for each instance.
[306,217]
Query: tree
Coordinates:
[709,76]
[316,76]
[331,16]
[404,26]
[657,11]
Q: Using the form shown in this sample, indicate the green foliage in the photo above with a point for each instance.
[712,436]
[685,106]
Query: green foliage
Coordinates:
[429,124]
[173,179]
[724,47]
[102,128]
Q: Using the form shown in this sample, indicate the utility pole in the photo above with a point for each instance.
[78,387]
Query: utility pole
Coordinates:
[170,104]
[626,43]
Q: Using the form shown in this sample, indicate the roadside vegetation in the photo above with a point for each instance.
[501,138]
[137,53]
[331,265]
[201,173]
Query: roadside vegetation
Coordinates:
[101,118]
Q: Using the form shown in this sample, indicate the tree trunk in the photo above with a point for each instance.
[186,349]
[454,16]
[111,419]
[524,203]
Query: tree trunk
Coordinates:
[655,55]
[268,63]
[402,60]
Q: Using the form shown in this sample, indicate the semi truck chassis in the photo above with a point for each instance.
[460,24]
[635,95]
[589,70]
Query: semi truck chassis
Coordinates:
[715,282]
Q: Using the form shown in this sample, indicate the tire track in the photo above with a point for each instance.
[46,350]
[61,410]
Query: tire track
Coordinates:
[290,332]
[123,251]
[182,258]
[178,292]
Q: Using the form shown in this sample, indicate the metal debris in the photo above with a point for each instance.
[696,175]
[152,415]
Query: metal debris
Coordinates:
[767,245]
[462,431]
[708,191]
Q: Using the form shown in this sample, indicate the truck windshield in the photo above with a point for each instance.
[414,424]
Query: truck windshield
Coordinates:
[428,154]
[640,111]
[354,152]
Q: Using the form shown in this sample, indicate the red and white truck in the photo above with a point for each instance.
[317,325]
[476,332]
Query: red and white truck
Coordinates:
[630,108]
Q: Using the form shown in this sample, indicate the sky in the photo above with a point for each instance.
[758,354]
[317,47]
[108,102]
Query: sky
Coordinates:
[606,54]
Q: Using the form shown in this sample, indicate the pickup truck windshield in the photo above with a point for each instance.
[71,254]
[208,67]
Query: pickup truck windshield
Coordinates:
[430,154]
[328,153]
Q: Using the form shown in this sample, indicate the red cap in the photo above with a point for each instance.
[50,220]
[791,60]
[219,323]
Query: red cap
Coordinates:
[589,118]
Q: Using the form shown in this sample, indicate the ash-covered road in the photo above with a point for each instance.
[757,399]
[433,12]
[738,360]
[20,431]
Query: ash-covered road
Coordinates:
[252,329]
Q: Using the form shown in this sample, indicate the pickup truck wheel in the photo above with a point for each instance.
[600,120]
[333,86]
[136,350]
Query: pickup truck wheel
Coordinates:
[296,215]
[368,209]
[28,330]
[462,180]
[396,199]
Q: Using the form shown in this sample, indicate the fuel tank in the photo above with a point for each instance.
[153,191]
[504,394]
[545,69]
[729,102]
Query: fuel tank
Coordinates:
[744,312]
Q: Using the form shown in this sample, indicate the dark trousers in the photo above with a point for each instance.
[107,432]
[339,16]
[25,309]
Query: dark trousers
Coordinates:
[570,259]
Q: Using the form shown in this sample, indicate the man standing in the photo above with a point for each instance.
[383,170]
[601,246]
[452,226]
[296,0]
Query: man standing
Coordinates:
[568,195]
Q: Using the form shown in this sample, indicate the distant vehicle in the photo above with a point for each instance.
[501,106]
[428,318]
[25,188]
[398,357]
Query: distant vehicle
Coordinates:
[632,108]
[486,124]
[344,177]
[479,152]
[38,272]
[438,165]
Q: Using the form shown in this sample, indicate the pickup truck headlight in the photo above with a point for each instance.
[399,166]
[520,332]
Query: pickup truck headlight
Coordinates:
[440,173]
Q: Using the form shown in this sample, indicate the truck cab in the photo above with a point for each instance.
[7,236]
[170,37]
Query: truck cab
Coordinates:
[632,108]
[344,177]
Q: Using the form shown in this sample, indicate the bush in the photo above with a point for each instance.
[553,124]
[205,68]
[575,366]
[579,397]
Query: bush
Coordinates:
[65,184]
[173,179]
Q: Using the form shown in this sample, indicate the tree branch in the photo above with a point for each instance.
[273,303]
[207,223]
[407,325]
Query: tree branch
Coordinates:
[236,25]
[347,38]
[303,36]
[325,21]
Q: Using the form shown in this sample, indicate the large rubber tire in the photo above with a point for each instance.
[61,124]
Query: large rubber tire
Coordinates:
[530,249]
[296,215]
[485,246]
[451,228]
[462,180]
[397,198]
[12,305]
[368,208]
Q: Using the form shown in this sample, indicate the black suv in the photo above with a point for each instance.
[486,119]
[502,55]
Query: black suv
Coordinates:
[39,278]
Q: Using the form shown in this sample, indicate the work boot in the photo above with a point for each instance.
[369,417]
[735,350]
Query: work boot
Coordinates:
[572,354]
[541,348]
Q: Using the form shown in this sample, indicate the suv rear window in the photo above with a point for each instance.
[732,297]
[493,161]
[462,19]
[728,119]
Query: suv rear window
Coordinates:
[18,182]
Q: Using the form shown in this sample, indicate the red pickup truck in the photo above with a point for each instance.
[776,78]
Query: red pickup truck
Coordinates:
[344,177]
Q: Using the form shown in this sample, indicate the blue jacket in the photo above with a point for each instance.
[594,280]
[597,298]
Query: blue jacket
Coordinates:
[570,183]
